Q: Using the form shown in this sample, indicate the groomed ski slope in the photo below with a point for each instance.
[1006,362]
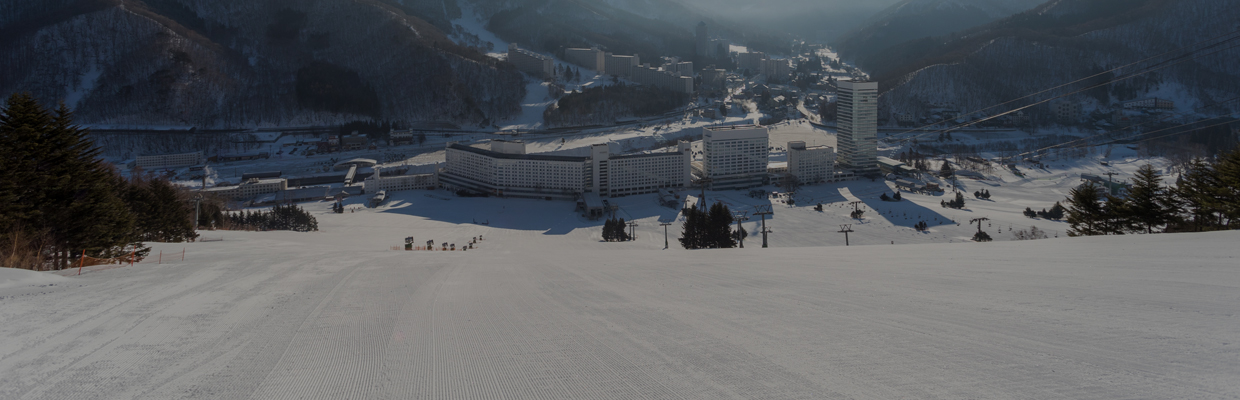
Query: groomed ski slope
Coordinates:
[535,314]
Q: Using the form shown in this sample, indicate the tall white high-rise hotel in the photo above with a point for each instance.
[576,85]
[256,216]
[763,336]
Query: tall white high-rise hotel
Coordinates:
[858,126]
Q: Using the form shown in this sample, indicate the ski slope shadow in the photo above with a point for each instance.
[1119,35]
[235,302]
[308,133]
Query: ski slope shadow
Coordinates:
[551,217]
[902,213]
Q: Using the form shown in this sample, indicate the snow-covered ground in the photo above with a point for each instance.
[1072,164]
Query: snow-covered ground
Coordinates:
[543,309]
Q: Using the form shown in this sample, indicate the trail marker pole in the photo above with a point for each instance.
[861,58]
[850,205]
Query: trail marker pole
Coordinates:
[161,258]
[82,262]
[182,254]
[845,229]
[132,255]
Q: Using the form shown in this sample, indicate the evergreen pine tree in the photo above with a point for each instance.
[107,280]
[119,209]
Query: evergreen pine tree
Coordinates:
[1085,212]
[691,233]
[1227,173]
[720,227]
[946,170]
[1197,189]
[1150,205]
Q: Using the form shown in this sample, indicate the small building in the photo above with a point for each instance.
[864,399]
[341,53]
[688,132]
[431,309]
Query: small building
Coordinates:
[241,157]
[353,142]
[169,160]
[400,182]
[250,188]
[1153,103]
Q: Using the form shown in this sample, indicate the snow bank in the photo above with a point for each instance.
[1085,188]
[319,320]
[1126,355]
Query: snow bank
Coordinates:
[19,278]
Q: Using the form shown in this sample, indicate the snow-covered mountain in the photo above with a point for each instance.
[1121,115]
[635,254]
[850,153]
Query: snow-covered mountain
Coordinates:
[229,63]
[913,19]
[1067,40]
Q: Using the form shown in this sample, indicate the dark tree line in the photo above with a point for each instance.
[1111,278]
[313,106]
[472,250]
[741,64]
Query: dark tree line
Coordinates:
[1056,212]
[957,203]
[280,218]
[1206,197]
[603,104]
[59,200]
[708,229]
[616,230]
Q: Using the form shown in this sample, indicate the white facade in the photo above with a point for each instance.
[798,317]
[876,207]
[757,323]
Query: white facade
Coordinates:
[811,164]
[251,188]
[660,78]
[169,160]
[621,65]
[779,69]
[615,176]
[751,61]
[593,59]
[397,183]
[530,62]
[735,156]
[858,126]
[521,175]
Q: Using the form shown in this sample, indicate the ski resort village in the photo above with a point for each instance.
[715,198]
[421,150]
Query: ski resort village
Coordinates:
[663,199]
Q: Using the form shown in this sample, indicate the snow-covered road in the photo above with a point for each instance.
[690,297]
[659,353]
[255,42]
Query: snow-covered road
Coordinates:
[325,315]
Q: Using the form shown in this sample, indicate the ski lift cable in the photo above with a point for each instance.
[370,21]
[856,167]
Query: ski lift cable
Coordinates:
[1086,139]
[966,124]
[1165,64]
[1088,77]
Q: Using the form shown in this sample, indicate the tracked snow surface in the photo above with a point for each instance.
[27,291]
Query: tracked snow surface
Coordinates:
[543,310]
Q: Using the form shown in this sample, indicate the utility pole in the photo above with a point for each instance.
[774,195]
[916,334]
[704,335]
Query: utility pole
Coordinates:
[197,201]
[702,198]
[1110,184]
[664,225]
[979,223]
[739,217]
[763,211]
[845,229]
[632,230]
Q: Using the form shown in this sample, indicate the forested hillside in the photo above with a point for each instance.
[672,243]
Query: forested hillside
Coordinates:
[231,63]
[1064,41]
[916,19]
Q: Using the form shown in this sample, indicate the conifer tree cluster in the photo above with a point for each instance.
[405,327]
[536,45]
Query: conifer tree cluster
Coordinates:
[59,200]
[921,226]
[982,194]
[710,229]
[616,230]
[1055,213]
[885,197]
[280,218]
[915,160]
[957,203]
[1206,197]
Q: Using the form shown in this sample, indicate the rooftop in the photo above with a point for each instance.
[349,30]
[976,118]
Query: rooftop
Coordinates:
[505,156]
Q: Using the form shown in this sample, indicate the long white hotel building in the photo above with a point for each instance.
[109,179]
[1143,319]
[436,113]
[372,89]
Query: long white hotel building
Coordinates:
[506,170]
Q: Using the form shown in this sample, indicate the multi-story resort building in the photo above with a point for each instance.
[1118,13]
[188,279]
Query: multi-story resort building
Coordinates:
[811,164]
[858,126]
[735,156]
[592,58]
[506,170]
[661,78]
[530,62]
